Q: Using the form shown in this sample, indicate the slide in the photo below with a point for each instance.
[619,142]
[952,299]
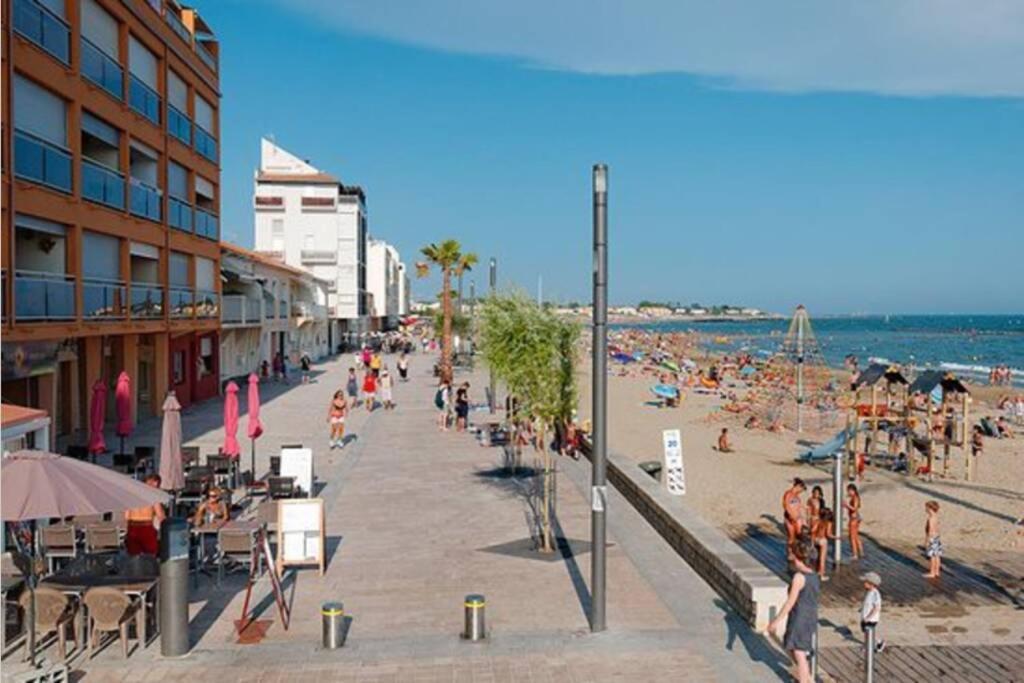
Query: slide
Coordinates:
[826,450]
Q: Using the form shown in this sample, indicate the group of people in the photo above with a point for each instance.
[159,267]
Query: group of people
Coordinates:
[142,525]
[377,379]
[452,404]
[1000,376]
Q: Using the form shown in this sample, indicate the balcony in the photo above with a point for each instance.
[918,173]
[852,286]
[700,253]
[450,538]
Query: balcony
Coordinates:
[147,300]
[44,28]
[179,214]
[206,56]
[174,21]
[145,200]
[179,125]
[308,310]
[268,203]
[318,256]
[143,99]
[102,184]
[207,304]
[103,299]
[42,162]
[43,296]
[207,225]
[99,68]
[206,144]
[181,302]
[241,310]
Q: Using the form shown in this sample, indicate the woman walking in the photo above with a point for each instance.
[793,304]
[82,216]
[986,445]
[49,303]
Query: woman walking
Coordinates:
[385,383]
[403,368]
[352,386]
[370,389]
[852,506]
[336,419]
[462,407]
[802,609]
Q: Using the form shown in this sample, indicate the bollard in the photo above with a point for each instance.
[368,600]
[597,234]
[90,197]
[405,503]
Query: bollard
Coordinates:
[814,654]
[476,626]
[174,570]
[869,653]
[332,616]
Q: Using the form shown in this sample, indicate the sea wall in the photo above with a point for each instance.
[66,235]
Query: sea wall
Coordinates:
[750,587]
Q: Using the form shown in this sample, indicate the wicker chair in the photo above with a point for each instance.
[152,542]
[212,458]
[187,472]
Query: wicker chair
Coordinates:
[189,457]
[59,542]
[110,611]
[102,538]
[235,547]
[54,613]
[281,487]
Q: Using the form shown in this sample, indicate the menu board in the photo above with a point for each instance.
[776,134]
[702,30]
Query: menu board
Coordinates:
[300,532]
[298,463]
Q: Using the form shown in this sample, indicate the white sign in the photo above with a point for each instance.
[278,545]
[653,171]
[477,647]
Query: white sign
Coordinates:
[598,498]
[300,532]
[298,463]
[675,476]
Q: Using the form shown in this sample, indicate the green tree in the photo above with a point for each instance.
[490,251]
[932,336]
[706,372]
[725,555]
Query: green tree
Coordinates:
[446,256]
[465,264]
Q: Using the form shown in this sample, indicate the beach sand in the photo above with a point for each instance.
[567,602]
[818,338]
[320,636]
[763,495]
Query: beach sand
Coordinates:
[745,487]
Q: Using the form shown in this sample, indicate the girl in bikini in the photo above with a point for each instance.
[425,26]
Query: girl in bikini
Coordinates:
[336,419]
[852,506]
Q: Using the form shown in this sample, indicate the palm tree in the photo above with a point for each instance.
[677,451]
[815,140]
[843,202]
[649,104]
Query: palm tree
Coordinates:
[465,263]
[447,256]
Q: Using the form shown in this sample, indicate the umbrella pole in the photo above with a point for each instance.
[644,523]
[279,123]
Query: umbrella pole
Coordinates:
[32,601]
[252,457]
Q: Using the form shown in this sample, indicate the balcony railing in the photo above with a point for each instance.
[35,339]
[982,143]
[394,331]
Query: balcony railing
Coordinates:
[181,302]
[41,161]
[308,309]
[99,68]
[44,28]
[321,256]
[174,21]
[205,55]
[102,298]
[179,214]
[268,203]
[207,225]
[206,144]
[143,99]
[43,296]
[207,304]
[179,125]
[145,200]
[102,184]
[238,309]
[147,300]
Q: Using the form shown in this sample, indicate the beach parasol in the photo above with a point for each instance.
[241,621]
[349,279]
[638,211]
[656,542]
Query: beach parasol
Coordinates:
[665,391]
[39,485]
[255,427]
[97,416]
[123,400]
[172,475]
[230,446]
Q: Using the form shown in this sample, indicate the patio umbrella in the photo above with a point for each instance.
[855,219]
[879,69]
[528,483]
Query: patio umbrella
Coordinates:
[38,485]
[123,399]
[97,416]
[230,446]
[172,476]
[255,427]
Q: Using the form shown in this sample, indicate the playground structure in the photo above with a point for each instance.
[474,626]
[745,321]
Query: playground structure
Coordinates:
[945,403]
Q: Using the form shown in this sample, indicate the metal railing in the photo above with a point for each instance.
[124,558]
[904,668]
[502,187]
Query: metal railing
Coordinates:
[182,302]
[143,99]
[179,214]
[41,161]
[43,296]
[205,55]
[239,309]
[145,200]
[207,224]
[147,300]
[179,125]
[206,144]
[322,256]
[101,69]
[178,26]
[207,303]
[44,28]
[103,298]
[102,184]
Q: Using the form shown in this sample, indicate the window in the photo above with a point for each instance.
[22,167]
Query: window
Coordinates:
[40,135]
[206,217]
[43,23]
[178,123]
[177,269]
[144,163]
[179,209]
[100,58]
[178,367]
[205,365]
[142,86]
[99,28]
[206,144]
[177,181]
[101,162]
[103,292]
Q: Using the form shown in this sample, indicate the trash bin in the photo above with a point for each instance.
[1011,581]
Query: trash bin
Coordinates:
[332,615]
[653,468]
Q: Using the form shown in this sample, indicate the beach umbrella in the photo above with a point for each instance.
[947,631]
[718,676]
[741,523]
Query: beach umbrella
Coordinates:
[665,391]
[255,427]
[230,446]
[123,401]
[172,475]
[38,485]
[97,416]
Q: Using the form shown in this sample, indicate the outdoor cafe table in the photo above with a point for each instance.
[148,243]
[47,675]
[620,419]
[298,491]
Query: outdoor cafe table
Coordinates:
[92,571]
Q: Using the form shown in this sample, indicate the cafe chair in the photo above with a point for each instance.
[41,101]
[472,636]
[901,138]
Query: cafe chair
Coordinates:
[235,547]
[189,457]
[110,611]
[54,613]
[281,487]
[124,462]
[78,452]
[102,538]
[144,456]
[59,542]
[275,465]
[221,466]
[83,521]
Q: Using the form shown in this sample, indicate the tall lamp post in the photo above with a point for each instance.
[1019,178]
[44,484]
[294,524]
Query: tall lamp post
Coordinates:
[599,498]
[492,398]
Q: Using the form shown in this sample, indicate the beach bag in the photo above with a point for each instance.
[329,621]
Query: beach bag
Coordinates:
[439,399]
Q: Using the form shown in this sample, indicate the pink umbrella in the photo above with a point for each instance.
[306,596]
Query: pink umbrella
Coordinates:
[255,428]
[123,400]
[97,416]
[172,475]
[231,421]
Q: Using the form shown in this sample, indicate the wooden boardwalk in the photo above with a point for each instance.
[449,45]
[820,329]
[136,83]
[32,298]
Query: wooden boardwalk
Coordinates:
[962,664]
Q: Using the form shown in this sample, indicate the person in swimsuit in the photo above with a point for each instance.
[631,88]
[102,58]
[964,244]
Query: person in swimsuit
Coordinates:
[852,507]
[932,540]
[336,419]
[801,608]
[723,441]
[211,510]
[142,537]
[821,533]
[814,505]
[462,407]
[370,389]
[352,387]
[792,511]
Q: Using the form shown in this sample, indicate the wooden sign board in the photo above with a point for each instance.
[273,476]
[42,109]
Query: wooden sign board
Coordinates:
[300,533]
[262,550]
[675,475]
[298,463]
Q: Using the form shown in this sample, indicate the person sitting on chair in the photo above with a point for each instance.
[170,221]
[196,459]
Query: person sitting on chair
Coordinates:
[211,510]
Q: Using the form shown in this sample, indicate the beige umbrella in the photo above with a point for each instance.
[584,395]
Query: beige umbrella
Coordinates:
[172,476]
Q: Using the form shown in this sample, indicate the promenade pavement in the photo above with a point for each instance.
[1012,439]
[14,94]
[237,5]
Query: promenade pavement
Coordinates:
[416,519]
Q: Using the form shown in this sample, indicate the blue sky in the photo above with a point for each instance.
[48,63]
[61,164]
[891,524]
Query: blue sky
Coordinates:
[878,167]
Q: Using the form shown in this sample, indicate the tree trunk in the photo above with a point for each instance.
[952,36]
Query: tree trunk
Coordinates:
[446,326]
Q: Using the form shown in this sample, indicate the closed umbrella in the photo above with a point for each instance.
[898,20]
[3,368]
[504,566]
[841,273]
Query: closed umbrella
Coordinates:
[172,475]
[255,427]
[123,399]
[97,416]
[230,446]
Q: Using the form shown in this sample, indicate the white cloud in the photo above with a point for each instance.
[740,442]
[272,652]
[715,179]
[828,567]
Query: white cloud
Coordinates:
[897,47]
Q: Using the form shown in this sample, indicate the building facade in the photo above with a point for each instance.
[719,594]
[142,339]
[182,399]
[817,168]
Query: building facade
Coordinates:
[384,272]
[111,195]
[309,219]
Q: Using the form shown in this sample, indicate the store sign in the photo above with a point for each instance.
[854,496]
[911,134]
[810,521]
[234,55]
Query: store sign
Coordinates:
[675,475]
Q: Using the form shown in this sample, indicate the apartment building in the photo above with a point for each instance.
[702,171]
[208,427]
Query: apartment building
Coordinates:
[268,307]
[384,272]
[309,219]
[111,197]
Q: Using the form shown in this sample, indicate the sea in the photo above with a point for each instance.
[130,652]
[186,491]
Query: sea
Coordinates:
[969,345]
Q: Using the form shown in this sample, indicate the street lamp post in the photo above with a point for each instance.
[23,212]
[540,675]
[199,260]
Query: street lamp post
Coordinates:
[599,498]
[492,398]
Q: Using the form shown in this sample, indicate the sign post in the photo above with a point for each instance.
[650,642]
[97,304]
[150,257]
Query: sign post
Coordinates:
[675,475]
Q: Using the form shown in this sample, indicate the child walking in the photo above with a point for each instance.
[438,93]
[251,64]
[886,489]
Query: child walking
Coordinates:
[871,609]
[336,418]
[932,541]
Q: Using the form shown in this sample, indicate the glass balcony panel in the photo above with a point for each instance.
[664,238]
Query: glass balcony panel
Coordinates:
[41,161]
[44,28]
[207,225]
[102,184]
[179,125]
[144,100]
[43,296]
[181,302]
[206,144]
[179,214]
[179,27]
[207,304]
[145,200]
[147,300]
[103,299]
[99,68]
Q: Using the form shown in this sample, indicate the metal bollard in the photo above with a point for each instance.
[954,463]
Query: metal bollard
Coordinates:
[814,654]
[332,616]
[476,626]
[869,653]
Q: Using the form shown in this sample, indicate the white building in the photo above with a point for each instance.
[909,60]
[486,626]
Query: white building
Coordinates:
[309,219]
[384,271]
[403,291]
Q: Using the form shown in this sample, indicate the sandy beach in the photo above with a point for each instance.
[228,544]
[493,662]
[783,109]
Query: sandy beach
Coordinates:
[745,487]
